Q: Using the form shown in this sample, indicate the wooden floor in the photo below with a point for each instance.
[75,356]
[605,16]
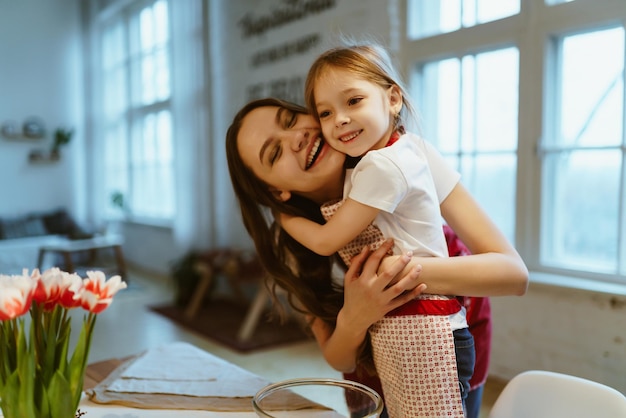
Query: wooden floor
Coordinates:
[128,327]
[493,387]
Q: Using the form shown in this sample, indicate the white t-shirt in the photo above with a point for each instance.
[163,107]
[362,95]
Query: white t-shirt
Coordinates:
[407,181]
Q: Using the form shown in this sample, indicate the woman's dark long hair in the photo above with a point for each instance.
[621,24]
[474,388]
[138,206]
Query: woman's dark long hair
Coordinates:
[305,275]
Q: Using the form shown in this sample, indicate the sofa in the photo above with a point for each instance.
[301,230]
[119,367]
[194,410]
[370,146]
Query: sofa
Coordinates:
[22,236]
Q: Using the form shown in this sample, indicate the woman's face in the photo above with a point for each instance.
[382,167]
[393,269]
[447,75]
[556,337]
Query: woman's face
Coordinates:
[286,150]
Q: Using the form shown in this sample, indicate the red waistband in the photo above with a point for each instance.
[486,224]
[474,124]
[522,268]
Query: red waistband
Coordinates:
[427,307]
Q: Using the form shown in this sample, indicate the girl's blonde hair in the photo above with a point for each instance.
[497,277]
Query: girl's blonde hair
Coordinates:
[369,62]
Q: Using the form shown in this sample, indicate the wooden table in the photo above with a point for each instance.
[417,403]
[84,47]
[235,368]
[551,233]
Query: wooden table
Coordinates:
[97,372]
[67,248]
[221,407]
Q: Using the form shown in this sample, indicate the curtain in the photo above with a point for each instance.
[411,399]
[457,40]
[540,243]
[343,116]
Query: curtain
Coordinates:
[190,98]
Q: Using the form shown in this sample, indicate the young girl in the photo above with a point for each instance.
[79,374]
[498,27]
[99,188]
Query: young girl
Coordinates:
[423,351]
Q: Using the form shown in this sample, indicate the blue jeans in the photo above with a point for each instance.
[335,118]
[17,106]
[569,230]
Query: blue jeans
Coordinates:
[473,402]
[465,359]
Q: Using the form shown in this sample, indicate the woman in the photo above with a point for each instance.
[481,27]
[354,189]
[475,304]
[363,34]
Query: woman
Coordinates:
[278,161]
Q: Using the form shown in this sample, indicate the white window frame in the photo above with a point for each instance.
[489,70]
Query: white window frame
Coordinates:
[531,31]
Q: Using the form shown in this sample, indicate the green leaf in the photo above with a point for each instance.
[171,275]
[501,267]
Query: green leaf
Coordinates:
[36,378]
[19,386]
[78,363]
[11,402]
[60,402]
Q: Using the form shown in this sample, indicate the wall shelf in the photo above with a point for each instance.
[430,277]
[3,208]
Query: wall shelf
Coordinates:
[33,128]
[39,157]
[21,138]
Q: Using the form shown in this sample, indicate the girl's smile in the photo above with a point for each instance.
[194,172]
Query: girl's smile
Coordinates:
[356,114]
[349,137]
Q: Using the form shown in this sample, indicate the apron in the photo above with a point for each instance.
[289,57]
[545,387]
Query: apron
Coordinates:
[412,346]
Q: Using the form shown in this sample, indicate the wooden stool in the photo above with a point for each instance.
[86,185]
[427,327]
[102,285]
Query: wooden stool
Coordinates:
[238,267]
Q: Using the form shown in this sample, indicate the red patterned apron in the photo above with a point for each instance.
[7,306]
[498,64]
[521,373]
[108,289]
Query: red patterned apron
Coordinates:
[413,346]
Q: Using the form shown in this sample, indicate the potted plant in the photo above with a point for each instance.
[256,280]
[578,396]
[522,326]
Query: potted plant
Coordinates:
[61,137]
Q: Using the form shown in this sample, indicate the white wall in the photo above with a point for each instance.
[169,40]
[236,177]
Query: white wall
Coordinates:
[572,331]
[40,75]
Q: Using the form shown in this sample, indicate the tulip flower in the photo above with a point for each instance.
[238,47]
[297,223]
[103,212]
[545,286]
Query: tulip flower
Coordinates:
[16,294]
[97,293]
[40,376]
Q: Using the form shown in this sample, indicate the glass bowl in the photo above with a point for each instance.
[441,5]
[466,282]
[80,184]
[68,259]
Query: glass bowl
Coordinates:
[317,397]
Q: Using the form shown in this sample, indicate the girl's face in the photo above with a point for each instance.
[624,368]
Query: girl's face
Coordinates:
[286,150]
[356,114]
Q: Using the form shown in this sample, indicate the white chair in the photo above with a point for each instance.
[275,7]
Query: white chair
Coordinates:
[542,394]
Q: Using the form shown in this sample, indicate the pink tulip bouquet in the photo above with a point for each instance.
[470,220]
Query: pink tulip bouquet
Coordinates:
[40,377]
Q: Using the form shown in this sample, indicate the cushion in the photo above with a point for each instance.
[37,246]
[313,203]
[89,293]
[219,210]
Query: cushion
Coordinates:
[22,227]
[59,223]
[34,227]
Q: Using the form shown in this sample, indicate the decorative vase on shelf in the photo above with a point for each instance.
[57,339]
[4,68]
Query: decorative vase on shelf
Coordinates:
[40,376]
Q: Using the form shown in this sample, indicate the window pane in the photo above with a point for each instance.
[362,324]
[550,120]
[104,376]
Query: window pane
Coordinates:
[147,81]
[116,163]
[592,106]
[150,55]
[113,46]
[581,210]
[491,179]
[428,17]
[152,171]
[162,74]
[497,75]
[146,29]
[439,93]
[553,2]
[161,23]
[469,109]
[584,152]
[114,75]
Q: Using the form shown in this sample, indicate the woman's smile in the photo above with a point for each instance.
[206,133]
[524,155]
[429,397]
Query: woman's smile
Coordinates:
[315,151]
[290,157]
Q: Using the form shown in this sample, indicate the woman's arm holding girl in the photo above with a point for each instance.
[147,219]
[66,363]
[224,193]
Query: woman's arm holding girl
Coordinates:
[494,269]
[367,298]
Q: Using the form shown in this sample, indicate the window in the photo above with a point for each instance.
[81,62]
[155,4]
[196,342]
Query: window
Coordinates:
[136,117]
[531,113]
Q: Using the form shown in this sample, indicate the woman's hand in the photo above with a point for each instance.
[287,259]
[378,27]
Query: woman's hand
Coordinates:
[368,296]
[371,292]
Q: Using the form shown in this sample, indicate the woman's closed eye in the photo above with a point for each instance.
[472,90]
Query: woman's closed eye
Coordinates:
[289,119]
[275,153]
